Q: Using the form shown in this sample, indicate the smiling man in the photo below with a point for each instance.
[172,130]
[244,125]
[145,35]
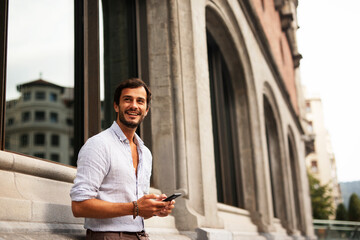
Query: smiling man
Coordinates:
[111,188]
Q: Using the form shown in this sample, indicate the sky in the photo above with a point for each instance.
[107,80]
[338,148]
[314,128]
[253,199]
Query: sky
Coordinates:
[40,50]
[329,41]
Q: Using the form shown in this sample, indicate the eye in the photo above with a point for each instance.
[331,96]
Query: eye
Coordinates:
[141,101]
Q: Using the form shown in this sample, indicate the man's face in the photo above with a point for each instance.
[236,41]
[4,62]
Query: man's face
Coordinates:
[132,107]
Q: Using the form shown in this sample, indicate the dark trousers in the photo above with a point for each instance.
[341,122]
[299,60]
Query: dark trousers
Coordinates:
[91,235]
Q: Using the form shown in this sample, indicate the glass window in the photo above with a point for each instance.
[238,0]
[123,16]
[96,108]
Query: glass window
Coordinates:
[39,139]
[69,122]
[55,140]
[10,121]
[27,96]
[228,174]
[53,117]
[25,116]
[39,116]
[40,95]
[53,97]
[40,38]
[314,166]
[310,127]
[39,155]
[24,140]
[54,157]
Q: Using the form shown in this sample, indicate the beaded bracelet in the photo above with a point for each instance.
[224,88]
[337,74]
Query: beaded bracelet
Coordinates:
[136,209]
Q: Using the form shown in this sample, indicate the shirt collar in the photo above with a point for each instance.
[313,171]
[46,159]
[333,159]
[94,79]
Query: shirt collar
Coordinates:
[120,134]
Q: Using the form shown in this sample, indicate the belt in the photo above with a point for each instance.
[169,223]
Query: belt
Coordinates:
[137,234]
[142,233]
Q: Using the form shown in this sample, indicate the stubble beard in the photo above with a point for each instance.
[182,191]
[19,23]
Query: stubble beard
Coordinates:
[128,123]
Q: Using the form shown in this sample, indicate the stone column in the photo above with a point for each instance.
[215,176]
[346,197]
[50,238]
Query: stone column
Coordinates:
[181,114]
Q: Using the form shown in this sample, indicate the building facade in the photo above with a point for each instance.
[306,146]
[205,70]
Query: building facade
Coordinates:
[321,161]
[224,125]
[39,123]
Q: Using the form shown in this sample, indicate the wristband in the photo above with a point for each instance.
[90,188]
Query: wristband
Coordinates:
[136,209]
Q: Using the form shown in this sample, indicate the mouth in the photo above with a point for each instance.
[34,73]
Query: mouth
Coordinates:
[133,113]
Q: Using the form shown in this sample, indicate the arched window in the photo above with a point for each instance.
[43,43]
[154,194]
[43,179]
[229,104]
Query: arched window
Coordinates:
[274,157]
[295,183]
[227,162]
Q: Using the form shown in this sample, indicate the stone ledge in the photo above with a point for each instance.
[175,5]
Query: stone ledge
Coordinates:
[14,227]
[36,167]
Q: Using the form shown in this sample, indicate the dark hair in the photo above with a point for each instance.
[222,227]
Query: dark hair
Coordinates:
[132,83]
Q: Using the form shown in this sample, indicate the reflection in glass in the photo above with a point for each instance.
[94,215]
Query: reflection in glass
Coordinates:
[39,113]
[119,49]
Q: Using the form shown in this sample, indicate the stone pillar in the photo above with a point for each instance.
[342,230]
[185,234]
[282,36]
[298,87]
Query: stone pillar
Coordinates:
[181,114]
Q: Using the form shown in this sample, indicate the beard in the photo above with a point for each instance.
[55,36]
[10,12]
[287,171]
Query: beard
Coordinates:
[130,124]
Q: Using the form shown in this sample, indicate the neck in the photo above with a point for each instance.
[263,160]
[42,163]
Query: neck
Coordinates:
[129,132]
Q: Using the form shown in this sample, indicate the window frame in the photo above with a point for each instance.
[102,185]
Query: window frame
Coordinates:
[87,112]
[86,70]
[3,57]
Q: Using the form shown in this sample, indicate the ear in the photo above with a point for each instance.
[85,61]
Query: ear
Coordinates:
[116,107]
[147,110]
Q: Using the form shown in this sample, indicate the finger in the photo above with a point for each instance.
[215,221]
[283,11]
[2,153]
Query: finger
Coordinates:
[160,204]
[151,196]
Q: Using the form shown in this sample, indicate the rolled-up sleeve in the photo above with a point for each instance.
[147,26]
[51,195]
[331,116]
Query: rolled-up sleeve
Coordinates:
[92,167]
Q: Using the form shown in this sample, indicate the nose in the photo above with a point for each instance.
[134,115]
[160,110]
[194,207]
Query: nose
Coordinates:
[134,104]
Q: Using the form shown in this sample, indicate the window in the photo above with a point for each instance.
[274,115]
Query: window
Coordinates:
[24,140]
[53,117]
[69,122]
[40,95]
[53,97]
[27,96]
[39,139]
[25,116]
[310,127]
[55,140]
[314,166]
[10,121]
[39,116]
[54,157]
[227,166]
[68,27]
[39,155]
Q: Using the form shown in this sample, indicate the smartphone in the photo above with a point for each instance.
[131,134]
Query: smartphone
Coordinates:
[172,197]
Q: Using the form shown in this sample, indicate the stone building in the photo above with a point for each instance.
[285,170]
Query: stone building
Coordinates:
[39,123]
[224,125]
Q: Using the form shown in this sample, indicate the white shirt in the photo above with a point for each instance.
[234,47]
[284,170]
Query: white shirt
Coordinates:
[105,171]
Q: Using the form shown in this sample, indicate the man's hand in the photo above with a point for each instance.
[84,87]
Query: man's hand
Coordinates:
[167,209]
[150,205]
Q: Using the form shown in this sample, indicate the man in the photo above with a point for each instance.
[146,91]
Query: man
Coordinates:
[111,188]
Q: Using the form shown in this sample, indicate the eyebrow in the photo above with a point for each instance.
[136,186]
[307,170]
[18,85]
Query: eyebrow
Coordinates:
[133,97]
